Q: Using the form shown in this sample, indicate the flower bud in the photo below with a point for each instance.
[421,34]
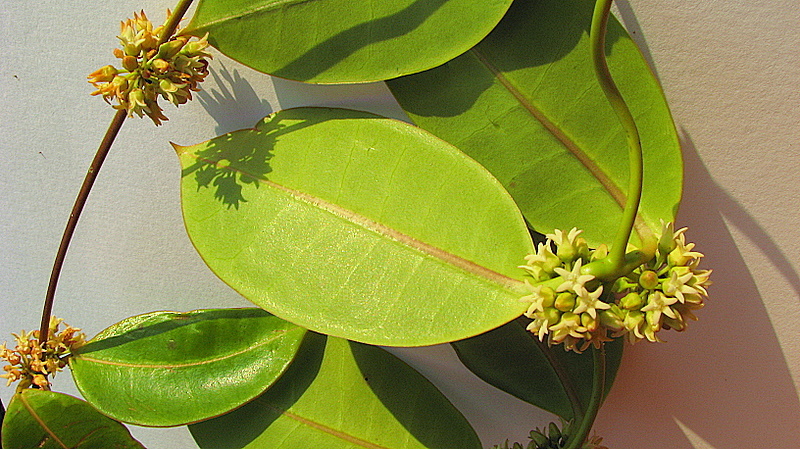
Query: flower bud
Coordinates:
[538,438]
[130,63]
[588,322]
[632,301]
[169,49]
[611,319]
[649,280]
[667,241]
[565,301]
[554,432]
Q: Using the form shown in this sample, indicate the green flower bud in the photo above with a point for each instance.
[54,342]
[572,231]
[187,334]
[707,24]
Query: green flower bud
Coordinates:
[548,296]
[632,301]
[554,432]
[169,49]
[649,280]
[612,319]
[565,301]
[667,241]
[538,438]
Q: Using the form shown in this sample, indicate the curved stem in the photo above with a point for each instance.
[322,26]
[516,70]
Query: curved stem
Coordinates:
[597,41]
[77,208]
[578,436]
[88,182]
[563,377]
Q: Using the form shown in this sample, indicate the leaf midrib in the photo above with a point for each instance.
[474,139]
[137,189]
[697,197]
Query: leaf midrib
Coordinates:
[185,365]
[602,177]
[325,429]
[40,421]
[378,228]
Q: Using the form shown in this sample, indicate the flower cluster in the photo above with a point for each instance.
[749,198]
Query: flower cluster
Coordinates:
[662,293]
[31,363]
[171,70]
[571,308]
[570,311]
[553,438]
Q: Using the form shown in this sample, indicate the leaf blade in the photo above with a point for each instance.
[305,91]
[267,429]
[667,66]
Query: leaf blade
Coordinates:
[525,104]
[336,41]
[48,420]
[511,359]
[168,369]
[343,395]
[355,269]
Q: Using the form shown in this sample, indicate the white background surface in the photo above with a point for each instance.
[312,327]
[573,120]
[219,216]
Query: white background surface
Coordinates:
[730,70]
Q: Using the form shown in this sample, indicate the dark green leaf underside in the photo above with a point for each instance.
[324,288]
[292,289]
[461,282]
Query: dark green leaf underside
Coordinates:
[343,395]
[525,104]
[513,360]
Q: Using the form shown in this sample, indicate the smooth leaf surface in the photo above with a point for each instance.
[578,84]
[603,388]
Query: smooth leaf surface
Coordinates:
[47,420]
[342,395]
[513,360]
[340,41]
[169,368]
[526,105]
[356,226]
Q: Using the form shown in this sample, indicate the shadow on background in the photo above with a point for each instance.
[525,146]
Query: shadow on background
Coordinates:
[233,104]
[725,379]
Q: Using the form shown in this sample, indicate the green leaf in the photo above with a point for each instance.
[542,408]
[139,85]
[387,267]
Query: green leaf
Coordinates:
[46,420]
[525,103]
[170,369]
[341,41]
[356,226]
[515,361]
[342,395]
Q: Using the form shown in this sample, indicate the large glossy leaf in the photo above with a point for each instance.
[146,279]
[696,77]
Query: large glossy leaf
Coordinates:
[169,369]
[342,395]
[356,226]
[526,105]
[47,420]
[513,360]
[341,41]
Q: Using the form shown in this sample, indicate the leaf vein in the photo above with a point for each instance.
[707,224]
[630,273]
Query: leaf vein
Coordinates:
[41,422]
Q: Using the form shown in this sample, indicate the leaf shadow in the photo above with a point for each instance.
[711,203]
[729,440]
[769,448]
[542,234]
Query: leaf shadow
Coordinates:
[400,389]
[331,51]
[727,367]
[532,34]
[175,320]
[240,427]
[228,168]
[238,159]
[233,101]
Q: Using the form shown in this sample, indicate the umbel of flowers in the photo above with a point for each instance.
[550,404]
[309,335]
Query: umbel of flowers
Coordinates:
[553,438]
[32,363]
[171,70]
[576,309]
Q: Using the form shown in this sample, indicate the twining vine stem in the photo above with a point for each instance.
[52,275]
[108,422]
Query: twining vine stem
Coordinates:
[88,182]
[578,436]
[597,40]
[617,258]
